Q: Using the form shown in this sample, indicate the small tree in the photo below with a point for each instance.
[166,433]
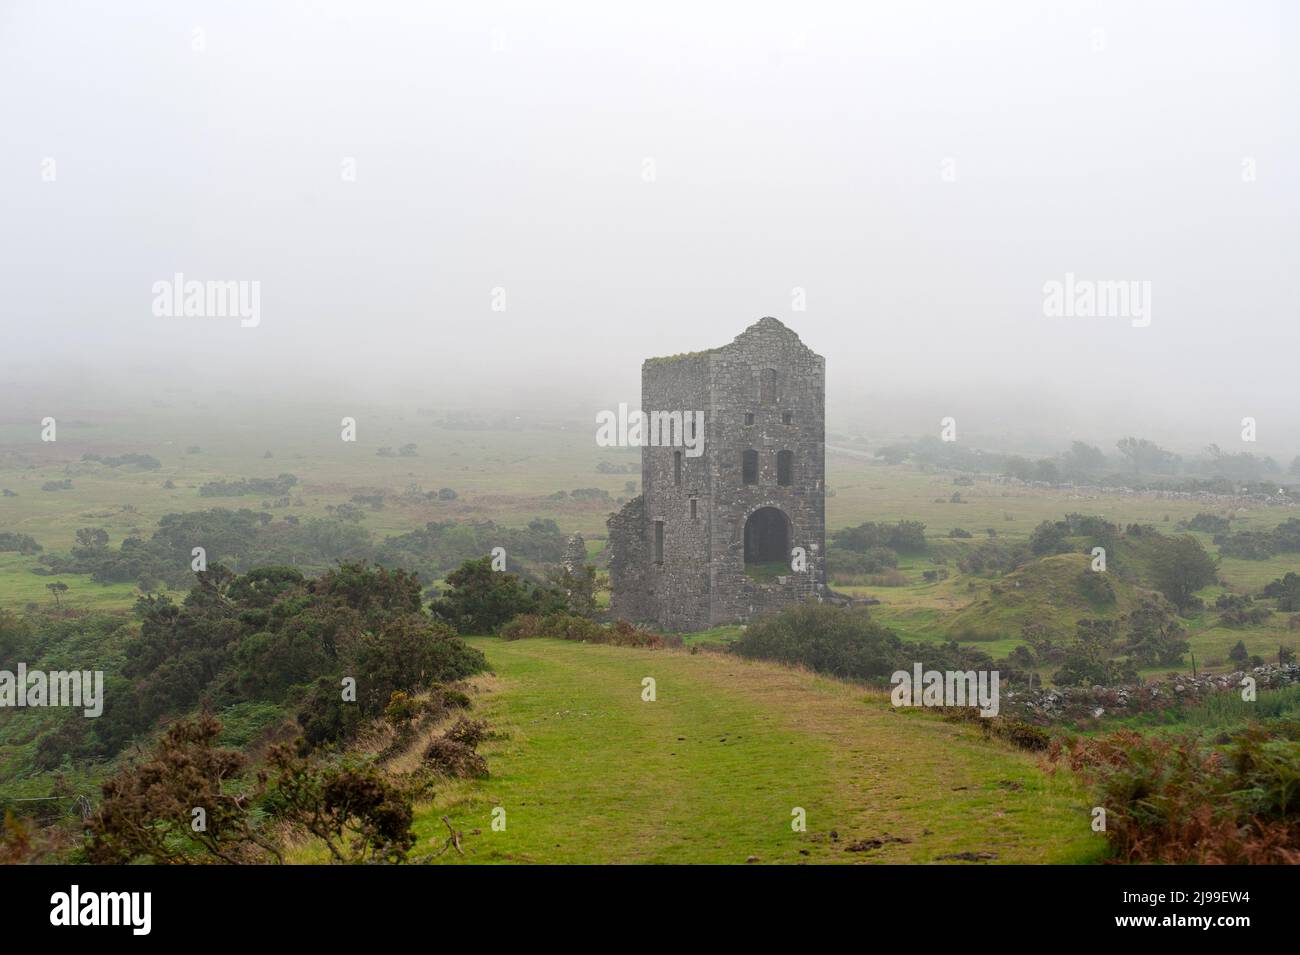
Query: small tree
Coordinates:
[481,600]
[1155,636]
[56,588]
[1181,566]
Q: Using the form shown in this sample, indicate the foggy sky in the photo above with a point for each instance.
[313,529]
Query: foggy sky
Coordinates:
[794,145]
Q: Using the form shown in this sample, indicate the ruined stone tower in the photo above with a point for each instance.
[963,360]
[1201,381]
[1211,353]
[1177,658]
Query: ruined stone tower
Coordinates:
[741,528]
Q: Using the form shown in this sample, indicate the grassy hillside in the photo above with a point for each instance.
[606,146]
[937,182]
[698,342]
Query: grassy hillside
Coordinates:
[711,770]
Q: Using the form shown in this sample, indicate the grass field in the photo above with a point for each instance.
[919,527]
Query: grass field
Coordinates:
[712,769]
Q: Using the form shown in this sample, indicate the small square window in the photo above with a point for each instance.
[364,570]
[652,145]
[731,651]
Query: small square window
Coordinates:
[787,417]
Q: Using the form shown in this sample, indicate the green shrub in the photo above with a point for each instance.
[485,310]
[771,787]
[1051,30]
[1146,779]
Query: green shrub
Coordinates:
[844,642]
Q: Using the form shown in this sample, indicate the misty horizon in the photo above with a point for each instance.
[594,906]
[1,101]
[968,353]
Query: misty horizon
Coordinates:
[912,181]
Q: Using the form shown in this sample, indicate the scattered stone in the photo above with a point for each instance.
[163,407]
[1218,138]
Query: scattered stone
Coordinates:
[968,857]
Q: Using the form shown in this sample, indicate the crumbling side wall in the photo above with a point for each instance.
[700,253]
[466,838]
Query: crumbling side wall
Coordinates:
[629,559]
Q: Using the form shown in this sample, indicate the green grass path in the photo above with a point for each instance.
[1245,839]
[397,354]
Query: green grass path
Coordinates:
[710,771]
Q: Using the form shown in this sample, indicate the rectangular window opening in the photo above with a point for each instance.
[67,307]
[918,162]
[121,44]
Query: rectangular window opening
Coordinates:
[784,468]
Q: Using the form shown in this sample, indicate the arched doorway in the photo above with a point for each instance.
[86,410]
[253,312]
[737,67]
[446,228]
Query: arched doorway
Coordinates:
[767,537]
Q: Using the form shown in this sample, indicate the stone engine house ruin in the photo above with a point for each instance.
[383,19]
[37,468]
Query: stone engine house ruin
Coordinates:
[740,528]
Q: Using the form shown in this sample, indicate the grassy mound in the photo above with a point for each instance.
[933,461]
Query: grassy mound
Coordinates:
[1053,593]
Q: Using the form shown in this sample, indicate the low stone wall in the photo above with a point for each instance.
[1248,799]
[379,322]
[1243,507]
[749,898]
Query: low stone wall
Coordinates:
[1067,704]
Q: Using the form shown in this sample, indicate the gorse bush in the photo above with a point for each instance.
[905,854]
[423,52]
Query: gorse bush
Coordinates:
[560,626]
[480,600]
[147,809]
[455,754]
[272,637]
[564,626]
